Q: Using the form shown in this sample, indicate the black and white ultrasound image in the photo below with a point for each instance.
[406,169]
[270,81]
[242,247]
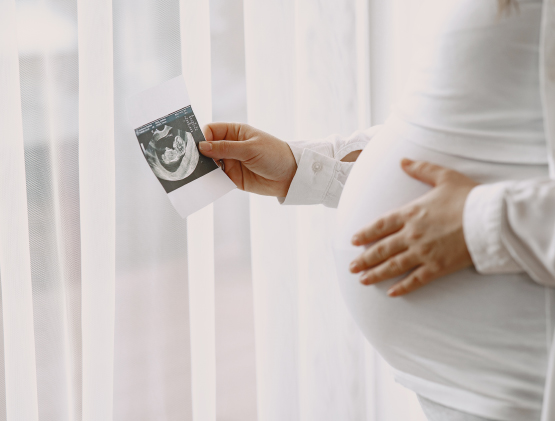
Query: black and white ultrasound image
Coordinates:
[170,146]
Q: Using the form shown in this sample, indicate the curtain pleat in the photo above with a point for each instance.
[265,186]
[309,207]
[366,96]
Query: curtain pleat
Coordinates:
[331,351]
[152,355]
[49,94]
[97,205]
[195,59]
[363,81]
[235,337]
[270,70]
[15,265]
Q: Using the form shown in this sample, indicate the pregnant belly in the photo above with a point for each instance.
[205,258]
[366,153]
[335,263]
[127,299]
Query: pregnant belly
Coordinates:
[466,330]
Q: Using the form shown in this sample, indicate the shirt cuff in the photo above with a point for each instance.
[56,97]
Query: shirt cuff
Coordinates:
[482,224]
[337,150]
[297,148]
[319,180]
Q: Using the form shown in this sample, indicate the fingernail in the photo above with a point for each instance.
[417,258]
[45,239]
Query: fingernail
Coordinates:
[205,146]
[354,240]
[406,161]
[364,279]
[353,267]
[392,292]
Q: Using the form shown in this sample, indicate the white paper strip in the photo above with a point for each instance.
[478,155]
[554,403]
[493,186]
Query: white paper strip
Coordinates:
[195,57]
[97,205]
[15,264]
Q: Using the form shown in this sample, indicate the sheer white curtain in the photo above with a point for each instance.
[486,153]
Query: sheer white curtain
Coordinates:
[108,297]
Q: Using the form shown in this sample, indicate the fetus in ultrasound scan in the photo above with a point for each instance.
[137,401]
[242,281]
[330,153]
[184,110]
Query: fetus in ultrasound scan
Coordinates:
[172,153]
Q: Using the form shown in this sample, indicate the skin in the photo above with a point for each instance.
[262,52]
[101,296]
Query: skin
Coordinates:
[255,161]
[424,237]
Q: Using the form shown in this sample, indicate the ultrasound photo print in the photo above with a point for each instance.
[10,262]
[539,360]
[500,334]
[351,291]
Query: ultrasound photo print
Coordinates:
[171,153]
[170,146]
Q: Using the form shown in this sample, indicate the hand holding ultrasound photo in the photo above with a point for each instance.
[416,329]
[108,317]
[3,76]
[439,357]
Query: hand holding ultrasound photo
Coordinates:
[169,133]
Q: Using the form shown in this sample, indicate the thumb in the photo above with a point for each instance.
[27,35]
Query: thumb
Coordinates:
[423,171]
[226,149]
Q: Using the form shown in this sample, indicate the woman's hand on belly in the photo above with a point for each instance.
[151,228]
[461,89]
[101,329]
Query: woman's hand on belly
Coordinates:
[425,236]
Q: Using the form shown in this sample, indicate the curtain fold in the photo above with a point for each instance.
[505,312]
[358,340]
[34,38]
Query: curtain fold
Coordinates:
[15,266]
[331,351]
[152,361]
[270,71]
[97,205]
[195,59]
[52,169]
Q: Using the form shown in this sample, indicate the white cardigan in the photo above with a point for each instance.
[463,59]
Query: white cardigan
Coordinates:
[509,226]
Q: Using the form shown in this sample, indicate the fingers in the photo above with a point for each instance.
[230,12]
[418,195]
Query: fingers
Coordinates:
[221,131]
[226,141]
[378,253]
[224,131]
[385,226]
[417,279]
[395,266]
[227,149]
[424,171]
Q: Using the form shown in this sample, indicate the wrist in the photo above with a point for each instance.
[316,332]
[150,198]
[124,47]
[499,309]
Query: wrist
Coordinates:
[291,166]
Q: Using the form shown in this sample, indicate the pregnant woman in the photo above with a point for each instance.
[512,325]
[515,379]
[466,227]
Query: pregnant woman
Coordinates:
[451,194]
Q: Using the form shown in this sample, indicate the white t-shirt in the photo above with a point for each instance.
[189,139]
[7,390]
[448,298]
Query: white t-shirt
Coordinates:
[474,87]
